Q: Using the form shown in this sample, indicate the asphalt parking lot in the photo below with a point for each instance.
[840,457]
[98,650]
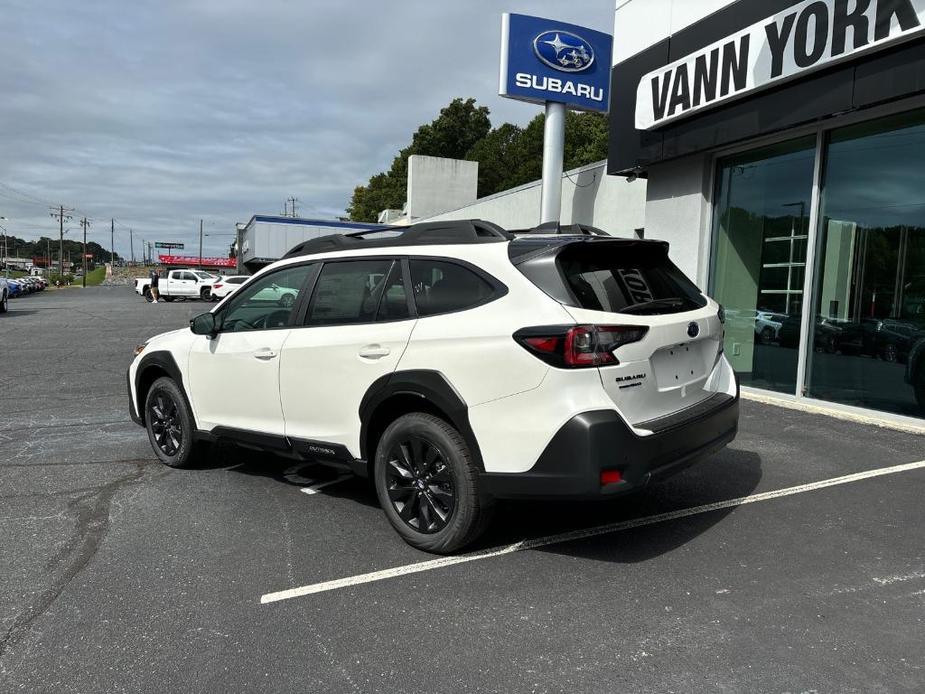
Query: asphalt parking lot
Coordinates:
[122,575]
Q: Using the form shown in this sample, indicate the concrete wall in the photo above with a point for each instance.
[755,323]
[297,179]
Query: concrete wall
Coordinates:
[589,196]
[436,184]
[678,211]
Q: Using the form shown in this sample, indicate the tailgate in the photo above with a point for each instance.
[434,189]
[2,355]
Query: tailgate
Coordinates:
[667,370]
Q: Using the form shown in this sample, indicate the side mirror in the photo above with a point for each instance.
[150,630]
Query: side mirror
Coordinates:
[204,324]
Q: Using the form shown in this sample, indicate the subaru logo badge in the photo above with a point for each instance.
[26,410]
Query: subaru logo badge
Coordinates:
[693,329]
[563,51]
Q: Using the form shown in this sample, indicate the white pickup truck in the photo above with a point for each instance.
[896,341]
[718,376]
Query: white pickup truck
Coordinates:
[185,284]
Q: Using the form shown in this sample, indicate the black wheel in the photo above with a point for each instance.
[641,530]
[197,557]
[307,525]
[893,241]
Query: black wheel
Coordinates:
[766,336]
[146,293]
[891,353]
[4,303]
[427,484]
[287,300]
[169,423]
[205,293]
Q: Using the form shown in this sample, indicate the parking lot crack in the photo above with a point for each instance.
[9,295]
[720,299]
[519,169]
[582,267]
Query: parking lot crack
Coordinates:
[93,515]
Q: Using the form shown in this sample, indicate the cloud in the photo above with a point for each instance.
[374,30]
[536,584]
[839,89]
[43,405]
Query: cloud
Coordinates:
[162,113]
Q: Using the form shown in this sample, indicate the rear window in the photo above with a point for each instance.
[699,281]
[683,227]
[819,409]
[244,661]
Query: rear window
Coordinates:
[626,278]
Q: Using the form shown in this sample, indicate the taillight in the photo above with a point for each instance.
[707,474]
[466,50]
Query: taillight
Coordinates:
[578,346]
[216,286]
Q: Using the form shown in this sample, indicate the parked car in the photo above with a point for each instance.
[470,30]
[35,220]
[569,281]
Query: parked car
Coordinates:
[454,364]
[891,339]
[830,335]
[767,326]
[15,288]
[4,295]
[915,371]
[182,284]
[227,285]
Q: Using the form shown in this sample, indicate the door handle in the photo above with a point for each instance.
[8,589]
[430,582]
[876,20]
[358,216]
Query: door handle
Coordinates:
[265,354]
[374,352]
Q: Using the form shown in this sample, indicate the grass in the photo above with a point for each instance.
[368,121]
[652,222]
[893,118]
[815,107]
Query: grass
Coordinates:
[96,277]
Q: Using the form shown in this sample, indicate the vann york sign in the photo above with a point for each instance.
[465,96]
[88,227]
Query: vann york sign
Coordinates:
[807,36]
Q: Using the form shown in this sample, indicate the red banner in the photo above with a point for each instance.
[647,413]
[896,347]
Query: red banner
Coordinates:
[195,260]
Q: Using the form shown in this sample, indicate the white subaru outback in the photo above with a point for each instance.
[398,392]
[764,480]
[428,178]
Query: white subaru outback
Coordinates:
[454,364]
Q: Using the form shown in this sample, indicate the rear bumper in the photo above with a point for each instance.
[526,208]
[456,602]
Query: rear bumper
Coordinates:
[570,466]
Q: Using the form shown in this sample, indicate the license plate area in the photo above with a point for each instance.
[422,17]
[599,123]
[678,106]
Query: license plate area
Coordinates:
[679,365]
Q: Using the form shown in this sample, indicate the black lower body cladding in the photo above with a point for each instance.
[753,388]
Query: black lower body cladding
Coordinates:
[571,465]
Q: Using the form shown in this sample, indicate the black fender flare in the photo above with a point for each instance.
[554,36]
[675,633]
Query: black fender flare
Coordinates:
[163,361]
[434,388]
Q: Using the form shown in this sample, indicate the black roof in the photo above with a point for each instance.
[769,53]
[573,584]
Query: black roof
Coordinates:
[469,231]
[457,232]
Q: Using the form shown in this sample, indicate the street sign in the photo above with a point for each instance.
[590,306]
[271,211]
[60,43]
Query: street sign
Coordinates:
[167,244]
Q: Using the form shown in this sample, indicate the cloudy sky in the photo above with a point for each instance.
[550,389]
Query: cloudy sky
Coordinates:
[162,112]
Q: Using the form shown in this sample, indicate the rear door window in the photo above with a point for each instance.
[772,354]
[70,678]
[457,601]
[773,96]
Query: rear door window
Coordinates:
[627,278]
[444,287]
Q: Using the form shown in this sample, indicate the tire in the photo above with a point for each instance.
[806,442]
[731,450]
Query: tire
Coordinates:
[4,303]
[891,353]
[169,423]
[146,293]
[205,293]
[766,336]
[287,300]
[438,486]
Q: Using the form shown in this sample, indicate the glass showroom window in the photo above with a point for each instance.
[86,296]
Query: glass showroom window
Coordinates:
[869,342]
[760,231]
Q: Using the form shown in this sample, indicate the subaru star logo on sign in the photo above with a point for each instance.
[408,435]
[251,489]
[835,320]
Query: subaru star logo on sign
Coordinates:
[544,60]
[564,51]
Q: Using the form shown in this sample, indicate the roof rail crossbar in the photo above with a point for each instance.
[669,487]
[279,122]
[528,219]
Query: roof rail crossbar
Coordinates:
[470,231]
[567,229]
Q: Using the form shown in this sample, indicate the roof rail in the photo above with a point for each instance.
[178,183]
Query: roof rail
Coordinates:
[469,231]
[567,229]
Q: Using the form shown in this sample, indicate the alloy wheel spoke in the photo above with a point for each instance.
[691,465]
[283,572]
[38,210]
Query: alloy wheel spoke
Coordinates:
[401,469]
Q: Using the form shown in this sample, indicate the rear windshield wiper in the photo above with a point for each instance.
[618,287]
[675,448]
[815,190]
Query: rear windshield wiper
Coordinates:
[673,302]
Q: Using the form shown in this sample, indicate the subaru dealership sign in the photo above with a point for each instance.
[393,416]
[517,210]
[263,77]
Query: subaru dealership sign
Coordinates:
[544,60]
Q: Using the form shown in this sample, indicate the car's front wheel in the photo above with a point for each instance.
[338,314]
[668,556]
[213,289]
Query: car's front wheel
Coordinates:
[4,305]
[428,484]
[169,423]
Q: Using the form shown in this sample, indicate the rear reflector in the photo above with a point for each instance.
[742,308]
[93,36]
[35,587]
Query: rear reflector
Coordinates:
[610,477]
[578,346]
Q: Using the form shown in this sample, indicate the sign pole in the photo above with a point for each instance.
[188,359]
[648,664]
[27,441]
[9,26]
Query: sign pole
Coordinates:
[553,156]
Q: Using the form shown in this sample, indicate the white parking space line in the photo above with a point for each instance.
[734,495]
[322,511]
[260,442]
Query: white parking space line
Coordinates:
[577,534]
[315,488]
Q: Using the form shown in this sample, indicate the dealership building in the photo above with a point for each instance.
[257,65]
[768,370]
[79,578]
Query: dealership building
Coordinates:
[783,145]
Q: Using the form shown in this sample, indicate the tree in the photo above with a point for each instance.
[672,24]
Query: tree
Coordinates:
[508,155]
[453,133]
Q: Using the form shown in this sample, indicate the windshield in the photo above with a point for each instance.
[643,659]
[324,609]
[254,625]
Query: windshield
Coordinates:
[205,276]
[637,279]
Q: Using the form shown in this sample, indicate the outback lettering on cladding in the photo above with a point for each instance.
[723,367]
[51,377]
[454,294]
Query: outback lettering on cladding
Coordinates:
[805,37]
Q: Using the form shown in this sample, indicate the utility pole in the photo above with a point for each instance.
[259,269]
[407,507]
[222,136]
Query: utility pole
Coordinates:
[200,244]
[291,201]
[112,242]
[131,245]
[84,223]
[62,217]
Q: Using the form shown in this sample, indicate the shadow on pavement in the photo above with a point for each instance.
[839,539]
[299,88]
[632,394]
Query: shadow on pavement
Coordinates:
[729,474]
